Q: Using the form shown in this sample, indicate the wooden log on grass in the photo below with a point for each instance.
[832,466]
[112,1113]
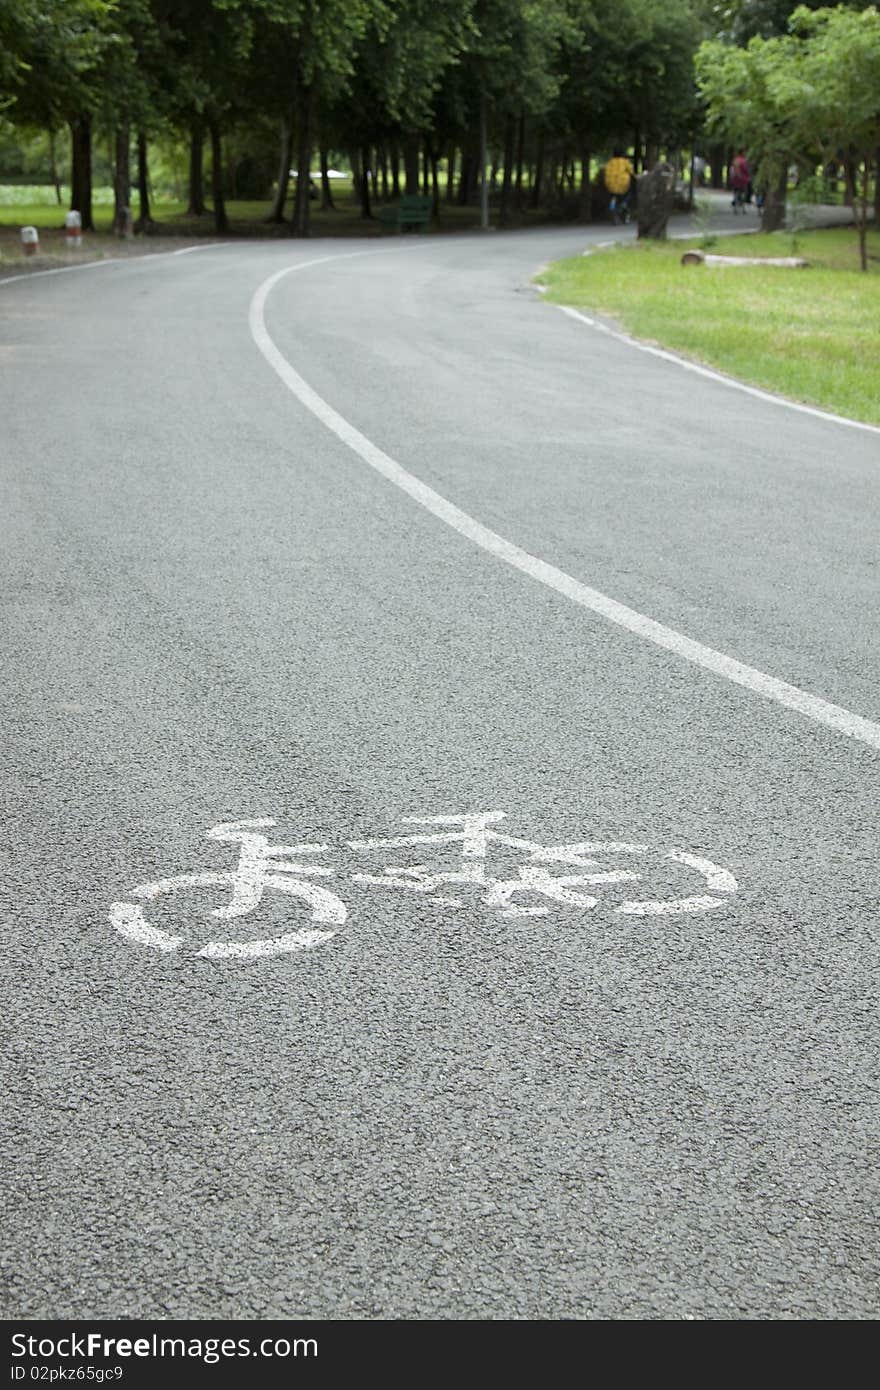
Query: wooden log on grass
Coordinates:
[787,262]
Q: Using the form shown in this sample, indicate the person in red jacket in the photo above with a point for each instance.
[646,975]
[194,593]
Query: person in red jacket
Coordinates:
[740,178]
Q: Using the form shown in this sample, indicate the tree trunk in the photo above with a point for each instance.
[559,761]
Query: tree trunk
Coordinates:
[862,215]
[395,169]
[354,160]
[507,181]
[53,168]
[877,187]
[585,202]
[285,155]
[655,199]
[435,187]
[411,163]
[383,166]
[196,206]
[773,211]
[482,157]
[301,207]
[221,221]
[426,166]
[366,209]
[465,178]
[716,164]
[121,178]
[560,174]
[520,155]
[539,171]
[450,173]
[849,183]
[81,170]
[145,220]
[327,203]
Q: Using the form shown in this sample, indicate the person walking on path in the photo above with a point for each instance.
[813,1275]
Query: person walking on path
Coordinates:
[619,174]
[740,178]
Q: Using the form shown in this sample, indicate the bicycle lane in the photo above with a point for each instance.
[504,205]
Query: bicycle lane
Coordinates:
[468,1071]
[737,521]
[861,790]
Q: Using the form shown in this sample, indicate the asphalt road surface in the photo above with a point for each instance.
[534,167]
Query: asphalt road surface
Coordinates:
[613,1056]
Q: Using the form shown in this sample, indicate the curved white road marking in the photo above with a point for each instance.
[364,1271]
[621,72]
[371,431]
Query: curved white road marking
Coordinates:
[832,716]
[713,375]
[130,921]
[111,260]
[26,275]
[188,250]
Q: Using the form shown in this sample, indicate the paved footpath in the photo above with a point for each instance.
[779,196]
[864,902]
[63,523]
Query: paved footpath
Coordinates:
[542,980]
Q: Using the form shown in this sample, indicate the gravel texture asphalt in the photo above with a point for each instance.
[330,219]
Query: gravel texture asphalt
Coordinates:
[212,610]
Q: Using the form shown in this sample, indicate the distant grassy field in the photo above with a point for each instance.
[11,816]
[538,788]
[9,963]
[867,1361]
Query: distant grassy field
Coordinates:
[37,206]
[33,205]
[812,335]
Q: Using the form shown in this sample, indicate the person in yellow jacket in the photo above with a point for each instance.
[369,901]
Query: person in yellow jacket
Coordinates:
[619,174]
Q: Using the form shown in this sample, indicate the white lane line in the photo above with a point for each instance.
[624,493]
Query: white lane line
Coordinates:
[58,270]
[713,375]
[111,260]
[823,712]
[188,250]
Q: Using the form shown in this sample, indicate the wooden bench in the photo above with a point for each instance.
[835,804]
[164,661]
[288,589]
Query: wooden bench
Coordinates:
[413,210]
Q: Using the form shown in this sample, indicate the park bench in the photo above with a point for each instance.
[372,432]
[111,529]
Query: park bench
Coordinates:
[413,210]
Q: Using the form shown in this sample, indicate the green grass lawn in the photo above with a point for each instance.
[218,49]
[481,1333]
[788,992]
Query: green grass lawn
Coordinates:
[37,207]
[812,335]
[46,214]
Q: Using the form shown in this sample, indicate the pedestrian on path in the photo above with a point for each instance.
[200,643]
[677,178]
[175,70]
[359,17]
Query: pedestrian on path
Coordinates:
[740,178]
[618,175]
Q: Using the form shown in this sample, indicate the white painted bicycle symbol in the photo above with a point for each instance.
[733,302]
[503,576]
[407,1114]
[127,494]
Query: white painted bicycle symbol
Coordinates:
[536,878]
[260,867]
[553,877]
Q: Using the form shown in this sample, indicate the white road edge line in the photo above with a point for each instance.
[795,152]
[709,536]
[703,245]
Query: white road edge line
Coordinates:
[713,375]
[832,716]
[58,270]
[109,260]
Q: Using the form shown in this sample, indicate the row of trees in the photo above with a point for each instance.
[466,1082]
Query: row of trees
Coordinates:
[389,83]
[400,87]
[809,96]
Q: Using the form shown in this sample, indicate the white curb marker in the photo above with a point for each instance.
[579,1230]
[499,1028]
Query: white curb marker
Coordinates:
[832,716]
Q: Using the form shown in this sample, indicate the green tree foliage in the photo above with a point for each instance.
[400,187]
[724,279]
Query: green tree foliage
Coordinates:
[553,82]
[50,53]
[831,96]
[809,95]
[740,89]
[738,21]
